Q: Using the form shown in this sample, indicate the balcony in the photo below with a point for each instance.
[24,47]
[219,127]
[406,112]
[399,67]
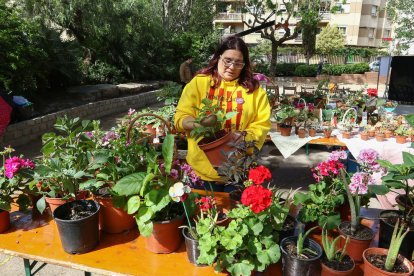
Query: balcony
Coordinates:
[223,16]
[325,16]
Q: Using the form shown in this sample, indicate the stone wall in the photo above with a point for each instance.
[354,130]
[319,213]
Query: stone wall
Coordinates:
[23,132]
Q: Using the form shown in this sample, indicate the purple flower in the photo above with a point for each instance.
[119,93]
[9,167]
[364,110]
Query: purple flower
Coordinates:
[14,164]
[174,173]
[359,183]
[336,155]
[89,134]
[367,156]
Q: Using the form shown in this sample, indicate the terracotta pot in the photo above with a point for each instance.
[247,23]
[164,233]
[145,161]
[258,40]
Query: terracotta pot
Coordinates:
[372,270]
[346,135]
[327,133]
[275,126]
[113,220]
[301,133]
[412,138]
[327,271]
[388,134]
[364,136]
[151,130]
[285,131]
[312,132]
[356,246]
[400,139]
[380,137]
[4,221]
[166,236]
[371,133]
[214,150]
[55,202]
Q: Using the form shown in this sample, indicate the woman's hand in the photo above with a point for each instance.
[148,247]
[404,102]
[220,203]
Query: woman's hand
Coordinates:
[189,123]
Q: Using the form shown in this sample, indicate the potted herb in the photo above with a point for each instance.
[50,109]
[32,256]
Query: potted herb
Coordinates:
[285,116]
[401,134]
[209,130]
[64,161]
[356,187]
[16,175]
[156,213]
[300,255]
[248,243]
[381,261]
[335,261]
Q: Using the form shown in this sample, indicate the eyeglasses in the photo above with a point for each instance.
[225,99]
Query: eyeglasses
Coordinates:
[228,62]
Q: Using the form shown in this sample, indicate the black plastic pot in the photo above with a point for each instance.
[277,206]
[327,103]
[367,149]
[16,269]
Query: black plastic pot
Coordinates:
[79,235]
[385,233]
[292,266]
[290,232]
[192,248]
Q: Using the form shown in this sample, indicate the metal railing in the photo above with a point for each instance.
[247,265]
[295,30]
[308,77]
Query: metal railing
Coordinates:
[229,16]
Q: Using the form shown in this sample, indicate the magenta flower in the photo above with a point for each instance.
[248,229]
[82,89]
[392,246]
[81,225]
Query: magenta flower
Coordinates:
[338,154]
[367,156]
[14,164]
[359,183]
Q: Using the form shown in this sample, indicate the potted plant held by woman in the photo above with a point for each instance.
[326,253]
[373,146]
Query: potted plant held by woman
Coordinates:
[209,130]
[16,175]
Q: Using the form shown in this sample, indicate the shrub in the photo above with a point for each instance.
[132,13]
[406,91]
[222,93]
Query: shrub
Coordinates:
[337,70]
[287,69]
[101,72]
[306,70]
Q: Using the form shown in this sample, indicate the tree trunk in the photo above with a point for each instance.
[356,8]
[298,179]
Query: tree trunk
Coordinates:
[273,61]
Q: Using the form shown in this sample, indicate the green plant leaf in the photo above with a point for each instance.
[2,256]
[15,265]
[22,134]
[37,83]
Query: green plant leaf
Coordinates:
[168,151]
[130,184]
[133,204]
[243,268]
[157,199]
[40,205]
[378,189]
[145,229]
[408,158]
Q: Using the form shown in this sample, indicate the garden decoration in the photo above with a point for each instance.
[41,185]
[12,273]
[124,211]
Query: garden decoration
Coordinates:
[356,188]
[335,261]
[64,162]
[208,130]
[78,225]
[300,255]
[320,204]
[248,243]
[348,122]
[381,261]
[16,177]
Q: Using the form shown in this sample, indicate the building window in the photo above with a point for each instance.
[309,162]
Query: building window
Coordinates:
[387,33]
[371,32]
[342,29]
[374,10]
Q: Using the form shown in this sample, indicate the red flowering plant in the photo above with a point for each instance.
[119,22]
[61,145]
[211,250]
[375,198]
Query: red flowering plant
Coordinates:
[320,202]
[16,177]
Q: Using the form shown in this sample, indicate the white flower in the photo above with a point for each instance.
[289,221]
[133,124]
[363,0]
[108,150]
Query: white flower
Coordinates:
[178,190]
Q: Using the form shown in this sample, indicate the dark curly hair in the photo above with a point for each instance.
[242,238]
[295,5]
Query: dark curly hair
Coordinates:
[246,76]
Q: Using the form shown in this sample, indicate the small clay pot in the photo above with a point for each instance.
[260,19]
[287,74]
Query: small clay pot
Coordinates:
[400,139]
[372,270]
[364,136]
[380,137]
[388,134]
[302,133]
[327,133]
[371,133]
[285,131]
[312,132]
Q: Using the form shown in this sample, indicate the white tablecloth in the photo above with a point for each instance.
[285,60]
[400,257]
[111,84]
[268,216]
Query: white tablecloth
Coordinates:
[388,150]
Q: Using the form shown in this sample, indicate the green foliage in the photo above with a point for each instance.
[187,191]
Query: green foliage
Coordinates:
[338,69]
[306,70]
[300,249]
[329,40]
[169,93]
[285,112]
[287,69]
[309,23]
[102,72]
[401,13]
[246,244]
[320,203]
[395,244]
[329,246]
[209,109]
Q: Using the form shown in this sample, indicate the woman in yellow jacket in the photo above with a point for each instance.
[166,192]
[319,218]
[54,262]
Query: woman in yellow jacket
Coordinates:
[228,81]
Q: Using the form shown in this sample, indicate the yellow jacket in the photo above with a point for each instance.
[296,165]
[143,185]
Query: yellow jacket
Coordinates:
[255,119]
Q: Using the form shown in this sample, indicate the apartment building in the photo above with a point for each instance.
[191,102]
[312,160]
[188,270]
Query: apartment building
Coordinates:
[363,22]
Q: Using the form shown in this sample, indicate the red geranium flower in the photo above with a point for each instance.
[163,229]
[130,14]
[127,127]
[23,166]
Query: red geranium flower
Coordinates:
[259,175]
[257,198]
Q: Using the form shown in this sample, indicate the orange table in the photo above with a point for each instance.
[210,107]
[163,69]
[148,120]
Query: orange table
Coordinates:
[331,141]
[37,238]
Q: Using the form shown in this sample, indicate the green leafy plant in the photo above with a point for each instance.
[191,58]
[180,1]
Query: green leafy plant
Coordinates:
[210,120]
[329,246]
[64,161]
[402,130]
[170,93]
[396,240]
[285,113]
[147,191]
[249,242]
[300,249]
